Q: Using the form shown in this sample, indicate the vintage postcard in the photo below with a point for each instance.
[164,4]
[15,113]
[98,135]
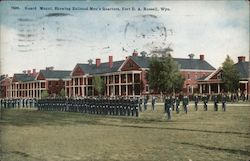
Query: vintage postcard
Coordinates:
[116,80]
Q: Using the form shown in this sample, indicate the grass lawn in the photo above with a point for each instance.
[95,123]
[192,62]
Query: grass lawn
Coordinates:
[28,135]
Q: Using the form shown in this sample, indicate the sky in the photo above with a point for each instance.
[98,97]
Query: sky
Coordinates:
[39,34]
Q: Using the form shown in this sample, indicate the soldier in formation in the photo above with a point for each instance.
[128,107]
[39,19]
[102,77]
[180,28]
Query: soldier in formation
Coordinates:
[168,106]
[196,100]
[153,103]
[185,103]
[17,102]
[205,100]
[98,106]
[223,101]
[177,101]
[215,99]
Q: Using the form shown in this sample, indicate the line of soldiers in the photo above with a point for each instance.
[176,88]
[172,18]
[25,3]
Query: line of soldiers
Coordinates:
[17,103]
[172,102]
[100,106]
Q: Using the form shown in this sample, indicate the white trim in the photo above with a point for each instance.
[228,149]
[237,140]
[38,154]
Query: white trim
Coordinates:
[212,74]
[119,69]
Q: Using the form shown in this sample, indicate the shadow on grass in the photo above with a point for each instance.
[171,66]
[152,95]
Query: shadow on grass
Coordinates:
[36,118]
[233,151]
[171,128]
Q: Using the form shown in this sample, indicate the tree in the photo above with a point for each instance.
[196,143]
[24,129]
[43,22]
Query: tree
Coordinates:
[45,94]
[230,76]
[99,85]
[62,93]
[164,75]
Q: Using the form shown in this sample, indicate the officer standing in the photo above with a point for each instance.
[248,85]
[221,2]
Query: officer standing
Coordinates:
[168,105]
[145,103]
[205,100]
[224,100]
[177,102]
[215,103]
[153,102]
[140,104]
[196,100]
[185,103]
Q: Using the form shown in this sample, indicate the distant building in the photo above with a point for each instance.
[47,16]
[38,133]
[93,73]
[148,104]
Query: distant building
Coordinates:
[122,78]
[213,83]
[128,77]
[31,85]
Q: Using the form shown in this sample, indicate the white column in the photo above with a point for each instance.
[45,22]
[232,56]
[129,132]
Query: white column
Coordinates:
[120,87]
[133,84]
[218,87]
[209,88]
[200,88]
[73,85]
[113,87]
[40,89]
[126,84]
[82,86]
[87,91]
[78,84]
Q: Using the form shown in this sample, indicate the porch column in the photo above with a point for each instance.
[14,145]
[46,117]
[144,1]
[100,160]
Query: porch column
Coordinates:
[113,86]
[40,89]
[126,84]
[200,88]
[87,90]
[209,88]
[79,86]
[73,87]
[133,84]
[120,87]
[218,87]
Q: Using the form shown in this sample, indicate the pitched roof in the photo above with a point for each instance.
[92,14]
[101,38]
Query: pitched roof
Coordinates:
[243,69]
[103,68]
[195,64]
[55,74]
[22,77]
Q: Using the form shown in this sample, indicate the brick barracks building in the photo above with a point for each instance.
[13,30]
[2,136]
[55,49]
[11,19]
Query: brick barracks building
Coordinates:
[213,83]
[122,78]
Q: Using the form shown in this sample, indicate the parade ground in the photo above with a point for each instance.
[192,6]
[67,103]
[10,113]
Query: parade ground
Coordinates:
[31,135]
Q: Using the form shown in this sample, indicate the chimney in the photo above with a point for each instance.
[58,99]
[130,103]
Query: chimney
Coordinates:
[202,57]
[90,61]
[34,72]
[241,59]
[98,62]
[135,53]
[143,53]
[49,68]
[29,72]
[24,71]
[110,61]
[191,56]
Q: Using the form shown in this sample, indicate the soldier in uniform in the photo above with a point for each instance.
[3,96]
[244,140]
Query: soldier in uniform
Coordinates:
[215,98]
[177,102]
[223,101]
[153,102]
[185,103]
[173,102]
[196,100]
[136,107]
[145,103]
[205,100]
[140,104]
[168,105]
